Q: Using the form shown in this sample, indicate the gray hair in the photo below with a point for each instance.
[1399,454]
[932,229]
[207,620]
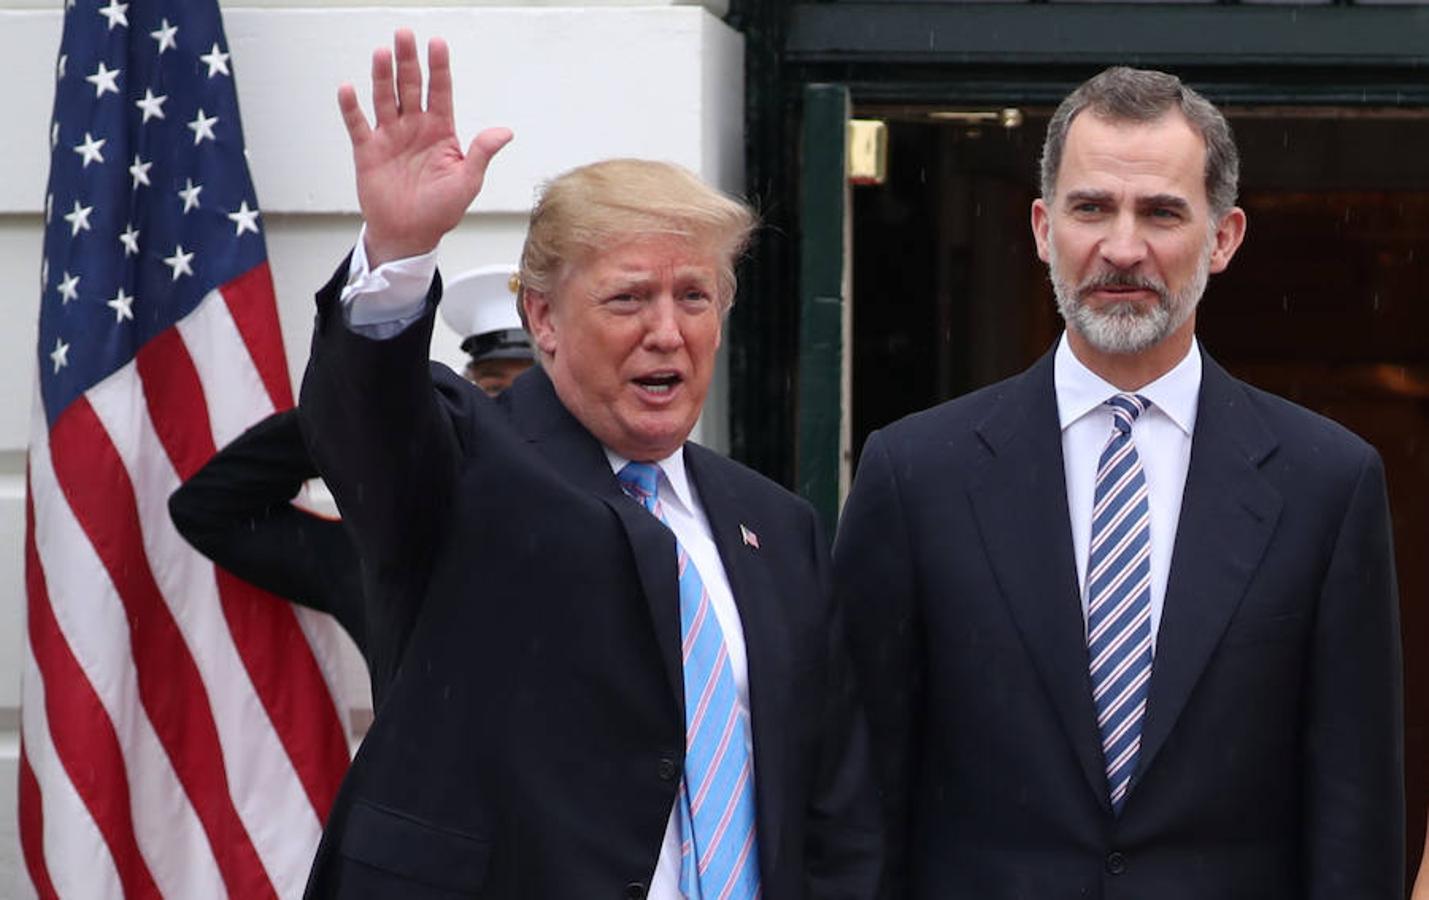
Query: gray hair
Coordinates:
[1122,94]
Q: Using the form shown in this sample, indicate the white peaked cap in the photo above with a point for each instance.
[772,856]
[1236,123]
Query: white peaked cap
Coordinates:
[481,300]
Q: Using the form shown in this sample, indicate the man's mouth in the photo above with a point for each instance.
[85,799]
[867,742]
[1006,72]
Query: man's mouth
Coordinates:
[659,383]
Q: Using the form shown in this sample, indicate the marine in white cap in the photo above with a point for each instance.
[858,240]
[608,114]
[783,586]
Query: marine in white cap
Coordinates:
[480,305]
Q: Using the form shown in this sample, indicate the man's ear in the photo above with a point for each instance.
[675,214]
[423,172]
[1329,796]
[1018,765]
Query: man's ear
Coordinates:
[540,320]
[1230,231]
[1041,222]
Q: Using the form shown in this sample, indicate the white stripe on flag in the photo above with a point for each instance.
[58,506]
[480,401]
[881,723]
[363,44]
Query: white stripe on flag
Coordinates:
[231,383]
[265,788]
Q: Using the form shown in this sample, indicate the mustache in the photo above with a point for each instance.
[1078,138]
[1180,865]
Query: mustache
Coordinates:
[1125,280]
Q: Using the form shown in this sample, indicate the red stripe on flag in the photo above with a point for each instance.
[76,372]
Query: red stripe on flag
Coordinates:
[271,643]
[281,666]
[254,309]
[84,740]
[97,486]
[32,830]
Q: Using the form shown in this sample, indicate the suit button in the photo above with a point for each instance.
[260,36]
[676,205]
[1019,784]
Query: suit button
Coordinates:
[635,891]
[668,769]
[1115,863]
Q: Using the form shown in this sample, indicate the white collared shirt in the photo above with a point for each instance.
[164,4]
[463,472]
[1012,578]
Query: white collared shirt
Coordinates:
[686,517]
[382,303]
[1163,442]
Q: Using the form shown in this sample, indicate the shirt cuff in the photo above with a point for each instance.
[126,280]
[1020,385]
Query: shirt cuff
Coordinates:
[382,303]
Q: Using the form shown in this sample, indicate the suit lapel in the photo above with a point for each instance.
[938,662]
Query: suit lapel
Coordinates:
[538,414]
[1020,502]
[1228,513]
[766,638]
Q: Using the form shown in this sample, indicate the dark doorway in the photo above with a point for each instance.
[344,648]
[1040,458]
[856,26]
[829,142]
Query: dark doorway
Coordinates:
[1326,303]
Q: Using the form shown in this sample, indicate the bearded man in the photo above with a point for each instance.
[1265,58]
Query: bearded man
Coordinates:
[1126,626]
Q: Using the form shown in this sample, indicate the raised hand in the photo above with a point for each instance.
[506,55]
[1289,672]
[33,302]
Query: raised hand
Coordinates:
[413,181]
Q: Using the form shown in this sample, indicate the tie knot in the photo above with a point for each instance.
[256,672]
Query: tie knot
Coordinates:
[1124,410]
[639,480]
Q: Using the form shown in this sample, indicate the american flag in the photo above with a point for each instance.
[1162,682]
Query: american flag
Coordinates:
[180,733]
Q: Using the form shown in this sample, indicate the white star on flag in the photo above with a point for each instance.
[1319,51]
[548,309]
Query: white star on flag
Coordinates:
[165,36]
[153,106]
[60,355]
[202,127]
[129,237]
[114,12]
[179,262]
[69,287]
[49,208]
[54,135]
[140,171]
[121,305]
[217,61]
[103,79]
[90,150]
[78,218]
[190,194]
[244,219]
[60,67]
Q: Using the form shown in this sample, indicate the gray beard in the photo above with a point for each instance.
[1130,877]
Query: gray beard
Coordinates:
[1125,328]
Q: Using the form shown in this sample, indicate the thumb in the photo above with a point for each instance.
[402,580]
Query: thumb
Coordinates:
[483,147]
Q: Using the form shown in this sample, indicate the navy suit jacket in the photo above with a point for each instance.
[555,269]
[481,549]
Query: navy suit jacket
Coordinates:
[531,738]
[1271,758]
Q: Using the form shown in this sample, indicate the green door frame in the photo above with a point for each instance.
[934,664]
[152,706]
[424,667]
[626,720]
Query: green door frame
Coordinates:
[824,315]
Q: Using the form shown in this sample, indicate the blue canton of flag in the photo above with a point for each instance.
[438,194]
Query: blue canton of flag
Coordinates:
[149,205]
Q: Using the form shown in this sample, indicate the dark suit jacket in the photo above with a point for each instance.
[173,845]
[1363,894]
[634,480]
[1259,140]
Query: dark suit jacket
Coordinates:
[237,510]
[532,738]
[1271,759]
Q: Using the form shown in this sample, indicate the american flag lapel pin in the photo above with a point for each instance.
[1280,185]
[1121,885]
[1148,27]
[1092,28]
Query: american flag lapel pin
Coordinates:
[750,538]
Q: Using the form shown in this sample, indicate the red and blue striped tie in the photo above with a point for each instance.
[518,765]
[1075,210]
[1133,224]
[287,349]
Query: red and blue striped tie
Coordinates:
[719,859]
[1119,598]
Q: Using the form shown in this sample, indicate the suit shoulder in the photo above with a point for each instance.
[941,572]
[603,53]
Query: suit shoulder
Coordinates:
[944,423]
[1307,435]
[738,475]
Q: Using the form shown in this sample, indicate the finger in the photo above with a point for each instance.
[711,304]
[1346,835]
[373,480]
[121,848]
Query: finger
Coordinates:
[409,73]
[483,147]
[384,100]
[439,81]
[358,130]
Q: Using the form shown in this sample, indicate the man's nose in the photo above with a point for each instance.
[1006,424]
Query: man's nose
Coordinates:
[1124,246]
[662,324]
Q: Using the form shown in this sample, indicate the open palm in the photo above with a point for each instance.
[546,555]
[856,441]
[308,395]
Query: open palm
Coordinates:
[414,183]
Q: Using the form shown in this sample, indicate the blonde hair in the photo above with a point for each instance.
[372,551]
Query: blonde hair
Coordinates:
[596,206]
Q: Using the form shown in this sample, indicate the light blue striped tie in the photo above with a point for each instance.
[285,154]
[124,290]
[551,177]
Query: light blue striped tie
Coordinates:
[719,858]
[1119,598]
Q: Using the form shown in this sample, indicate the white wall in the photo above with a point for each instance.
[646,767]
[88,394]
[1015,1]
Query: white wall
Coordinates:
[575,82]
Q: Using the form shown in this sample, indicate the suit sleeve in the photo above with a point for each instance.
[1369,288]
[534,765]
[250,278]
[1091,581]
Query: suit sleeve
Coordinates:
[382,440]
[874,578]
[1354,782]
[844,848]
[236,511]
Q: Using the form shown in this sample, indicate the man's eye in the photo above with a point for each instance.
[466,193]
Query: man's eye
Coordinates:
[695,295]
[1087,208]
[1165,212]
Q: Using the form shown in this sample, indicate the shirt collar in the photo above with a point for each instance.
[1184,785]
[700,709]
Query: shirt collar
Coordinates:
[671,467]
[1080,390]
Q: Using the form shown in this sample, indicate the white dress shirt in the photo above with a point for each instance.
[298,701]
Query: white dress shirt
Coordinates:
[381,303]
[1162,435]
